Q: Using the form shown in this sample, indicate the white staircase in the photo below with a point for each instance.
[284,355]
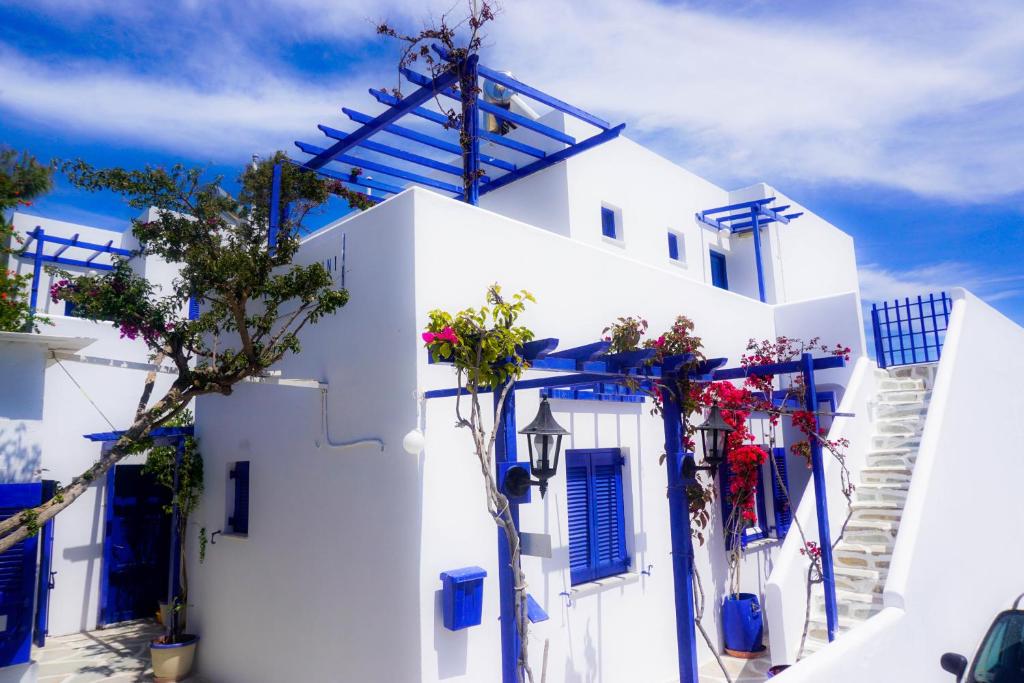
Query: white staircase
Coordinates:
[861,558]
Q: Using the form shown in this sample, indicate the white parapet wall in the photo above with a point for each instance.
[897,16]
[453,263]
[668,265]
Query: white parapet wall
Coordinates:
[958,558]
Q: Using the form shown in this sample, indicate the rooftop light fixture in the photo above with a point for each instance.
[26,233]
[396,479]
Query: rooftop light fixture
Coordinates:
[544,442]
[714,436]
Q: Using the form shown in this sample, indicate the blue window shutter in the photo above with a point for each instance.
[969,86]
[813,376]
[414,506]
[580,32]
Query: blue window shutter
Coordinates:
[597,529]
[719,274]
[576,482]
[780,502]
[239,519]
[608,223]
[673,246]
[193,308]
[69,309]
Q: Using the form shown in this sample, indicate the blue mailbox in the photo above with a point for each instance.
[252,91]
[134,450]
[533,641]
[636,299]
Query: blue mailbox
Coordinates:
[462,597]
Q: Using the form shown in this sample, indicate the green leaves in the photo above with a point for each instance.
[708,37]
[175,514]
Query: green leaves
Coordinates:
[483,343]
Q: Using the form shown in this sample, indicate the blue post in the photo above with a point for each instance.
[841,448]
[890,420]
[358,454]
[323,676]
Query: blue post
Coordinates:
[820,499]
[275,208]
[471,130]
[175,568]
[756,231]
[37,268]
[682,544]
[876,331]
[505,451]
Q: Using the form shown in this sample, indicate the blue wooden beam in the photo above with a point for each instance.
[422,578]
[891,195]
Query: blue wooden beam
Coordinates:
[735,207]
[361,181]
[380,168]
[436,143]
[748,226]
[65,261]
[380,122]
[275,208]
[395,152]
[787,368]
[534,94]
[554,158]
[74,241]
[583,353]
[99,251]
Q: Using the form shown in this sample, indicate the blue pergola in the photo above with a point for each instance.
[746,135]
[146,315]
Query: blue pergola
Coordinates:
[88,260]
[583,367]
[419,150]
[749,217]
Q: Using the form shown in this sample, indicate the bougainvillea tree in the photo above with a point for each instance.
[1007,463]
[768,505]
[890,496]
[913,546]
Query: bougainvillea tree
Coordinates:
[254,301]
[484,346]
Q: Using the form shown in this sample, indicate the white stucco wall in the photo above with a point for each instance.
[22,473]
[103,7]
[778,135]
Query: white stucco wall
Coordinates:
[955,565]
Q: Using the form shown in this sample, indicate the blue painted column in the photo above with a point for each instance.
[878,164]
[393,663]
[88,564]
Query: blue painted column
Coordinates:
[505,451]
[820,499]
[175,568]
[682,544]
[756,231]
[37,268]
[468,85]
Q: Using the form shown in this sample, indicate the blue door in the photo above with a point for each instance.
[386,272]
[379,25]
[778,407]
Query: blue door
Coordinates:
[136,546]
[17,578]
[46,573]
[719,276]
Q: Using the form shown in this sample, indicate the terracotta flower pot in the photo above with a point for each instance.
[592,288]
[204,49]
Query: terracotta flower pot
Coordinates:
[173,661]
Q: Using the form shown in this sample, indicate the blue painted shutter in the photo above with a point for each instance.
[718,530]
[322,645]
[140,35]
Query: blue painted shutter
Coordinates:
[193,308]
[45,580]
[673,246]
[597,530]
[69,309]
[608,222]
[239,519]
[576,482]
[724,476]
[18,577]
[780,503]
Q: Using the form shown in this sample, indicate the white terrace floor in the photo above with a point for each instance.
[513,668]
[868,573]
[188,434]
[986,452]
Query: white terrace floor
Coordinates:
[116,655]
[740,670]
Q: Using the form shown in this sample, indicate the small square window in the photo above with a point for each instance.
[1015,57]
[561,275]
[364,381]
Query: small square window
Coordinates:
[610,227]
[238,515]
[676,247]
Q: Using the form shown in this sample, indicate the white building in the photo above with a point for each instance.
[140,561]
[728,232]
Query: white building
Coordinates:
[335,575]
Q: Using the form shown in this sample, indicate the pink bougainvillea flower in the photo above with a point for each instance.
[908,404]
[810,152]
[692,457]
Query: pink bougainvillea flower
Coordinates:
[429,337]
[448,335]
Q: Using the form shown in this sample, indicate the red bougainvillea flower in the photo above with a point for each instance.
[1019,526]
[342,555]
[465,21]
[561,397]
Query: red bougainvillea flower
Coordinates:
[445,335]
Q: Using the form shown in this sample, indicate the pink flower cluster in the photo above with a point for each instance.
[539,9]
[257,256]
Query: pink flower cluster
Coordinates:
[445,335]
[56,290]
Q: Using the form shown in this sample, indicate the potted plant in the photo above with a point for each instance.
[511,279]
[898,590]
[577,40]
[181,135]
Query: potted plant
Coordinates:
[173,653]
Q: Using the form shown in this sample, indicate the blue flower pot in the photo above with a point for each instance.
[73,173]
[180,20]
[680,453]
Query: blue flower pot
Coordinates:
[741,623]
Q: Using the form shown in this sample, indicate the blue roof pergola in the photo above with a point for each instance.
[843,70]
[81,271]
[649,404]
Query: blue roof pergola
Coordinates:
[749,217]
[440,174]
[87,260]
[582,366]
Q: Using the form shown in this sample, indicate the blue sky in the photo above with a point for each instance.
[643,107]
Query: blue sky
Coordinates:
[900,122]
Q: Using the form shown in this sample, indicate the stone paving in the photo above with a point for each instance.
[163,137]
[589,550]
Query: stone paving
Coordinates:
[119,654]
[740,670]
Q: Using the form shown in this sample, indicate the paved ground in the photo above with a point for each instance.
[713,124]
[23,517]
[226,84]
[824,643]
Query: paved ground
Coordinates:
[740,670]
[115,655]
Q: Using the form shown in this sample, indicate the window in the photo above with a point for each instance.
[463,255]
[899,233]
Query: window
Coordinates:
[597,529]
[719,276]
[676,247]
[238,519]
[69,310]
[610,223]
[782,513]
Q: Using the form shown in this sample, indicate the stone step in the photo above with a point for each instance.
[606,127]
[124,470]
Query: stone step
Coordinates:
[859,579]
[895,441]
[870,531]
[889,411]
[886,493]
[901,425]
[901,397]
[885,475]
[887,383]
[892,457]
[818,629]
[857,559]
[850,606]
[922,371]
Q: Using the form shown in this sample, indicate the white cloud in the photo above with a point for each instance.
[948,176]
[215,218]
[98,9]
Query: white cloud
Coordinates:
[919,96]
[882,284]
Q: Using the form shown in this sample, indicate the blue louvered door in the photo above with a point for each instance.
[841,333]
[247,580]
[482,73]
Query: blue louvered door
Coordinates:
[780,502]
[136,546]
[17,578]
[597,530]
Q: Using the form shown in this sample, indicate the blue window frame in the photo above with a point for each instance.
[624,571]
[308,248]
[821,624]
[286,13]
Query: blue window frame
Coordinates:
[597,528]
[673,246]
[719,275]
[608,223]
[238,520]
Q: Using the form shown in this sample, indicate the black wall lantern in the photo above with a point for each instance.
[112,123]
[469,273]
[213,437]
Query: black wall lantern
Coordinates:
[544,442]
[714,436]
